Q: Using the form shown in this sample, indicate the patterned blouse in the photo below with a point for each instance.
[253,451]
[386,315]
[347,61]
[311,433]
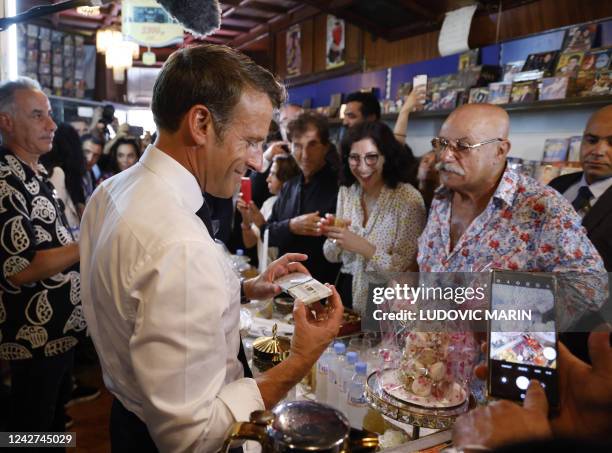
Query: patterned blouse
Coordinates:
[525,227]
[45,318]
[393,227]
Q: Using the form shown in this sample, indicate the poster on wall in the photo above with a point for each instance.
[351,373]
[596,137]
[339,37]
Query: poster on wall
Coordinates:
[294,50]
[335,42]
[147,23]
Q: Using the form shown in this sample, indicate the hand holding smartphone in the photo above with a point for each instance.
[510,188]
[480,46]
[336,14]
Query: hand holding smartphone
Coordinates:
[514,358]
[246,190]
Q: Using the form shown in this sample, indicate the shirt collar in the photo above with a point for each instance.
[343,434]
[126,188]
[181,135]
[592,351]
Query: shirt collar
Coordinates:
[598,188]
[183,183]
[506,189]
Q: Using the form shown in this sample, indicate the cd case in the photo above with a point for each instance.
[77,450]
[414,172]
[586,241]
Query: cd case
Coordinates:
[303,287]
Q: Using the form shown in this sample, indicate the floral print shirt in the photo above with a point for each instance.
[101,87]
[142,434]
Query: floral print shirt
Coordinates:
[44,318]
[525,227]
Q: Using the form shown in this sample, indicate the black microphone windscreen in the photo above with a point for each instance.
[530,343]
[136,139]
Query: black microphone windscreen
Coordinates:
[201,17]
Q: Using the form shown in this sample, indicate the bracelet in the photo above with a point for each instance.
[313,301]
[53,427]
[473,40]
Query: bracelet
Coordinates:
[397,133]
[243,297]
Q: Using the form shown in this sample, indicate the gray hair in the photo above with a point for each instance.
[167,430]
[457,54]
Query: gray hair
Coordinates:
[8,89]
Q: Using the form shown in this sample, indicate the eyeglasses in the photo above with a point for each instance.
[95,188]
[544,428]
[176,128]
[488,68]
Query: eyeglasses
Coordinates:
[592,139]
[439,144]
[370,159]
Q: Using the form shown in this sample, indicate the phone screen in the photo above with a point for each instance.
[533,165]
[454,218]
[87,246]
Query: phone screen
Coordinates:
[530,352]
[245,189]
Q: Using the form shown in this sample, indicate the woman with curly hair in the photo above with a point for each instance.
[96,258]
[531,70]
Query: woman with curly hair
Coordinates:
[379,216]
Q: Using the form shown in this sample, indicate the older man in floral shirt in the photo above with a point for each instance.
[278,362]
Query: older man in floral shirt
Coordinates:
[486,216]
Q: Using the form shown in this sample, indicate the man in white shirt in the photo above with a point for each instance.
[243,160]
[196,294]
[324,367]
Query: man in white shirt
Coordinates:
[161,300]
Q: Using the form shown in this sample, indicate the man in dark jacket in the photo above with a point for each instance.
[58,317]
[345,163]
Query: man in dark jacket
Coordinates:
[303,200]
[590,191]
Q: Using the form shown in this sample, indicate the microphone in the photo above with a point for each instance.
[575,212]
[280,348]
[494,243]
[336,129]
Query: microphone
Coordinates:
[201,17]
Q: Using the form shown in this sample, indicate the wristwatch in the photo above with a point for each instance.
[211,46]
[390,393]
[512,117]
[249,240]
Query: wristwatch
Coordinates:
[243,297]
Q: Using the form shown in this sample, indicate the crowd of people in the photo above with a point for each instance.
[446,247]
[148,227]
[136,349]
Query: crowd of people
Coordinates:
[110,236]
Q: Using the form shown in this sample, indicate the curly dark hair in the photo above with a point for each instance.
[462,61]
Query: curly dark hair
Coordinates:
[67,154]
[113,166]
[302,123]
[399,159]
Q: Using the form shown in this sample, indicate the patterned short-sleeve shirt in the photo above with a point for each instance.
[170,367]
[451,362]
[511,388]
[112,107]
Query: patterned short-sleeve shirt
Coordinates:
[45,318]
[525,227]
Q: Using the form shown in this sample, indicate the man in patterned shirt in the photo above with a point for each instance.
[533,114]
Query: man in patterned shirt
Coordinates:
[40,311]
[486,216]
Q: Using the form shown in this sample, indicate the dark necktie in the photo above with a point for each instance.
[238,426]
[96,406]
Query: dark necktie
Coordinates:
[204,214]
[582,200]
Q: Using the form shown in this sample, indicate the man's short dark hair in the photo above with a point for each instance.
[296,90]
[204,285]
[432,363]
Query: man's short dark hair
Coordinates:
[398,159]
[369,103]
[302,123]
[211,75]
[93,139]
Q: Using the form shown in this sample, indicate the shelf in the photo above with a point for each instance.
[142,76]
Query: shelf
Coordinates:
[537,106]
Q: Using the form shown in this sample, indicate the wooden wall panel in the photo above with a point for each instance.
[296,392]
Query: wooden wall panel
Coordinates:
[381,54]
[516,22]
[280,55]
[537,17]
[320,42]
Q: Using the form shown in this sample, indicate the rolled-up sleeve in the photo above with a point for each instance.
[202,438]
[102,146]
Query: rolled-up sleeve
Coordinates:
[182,356]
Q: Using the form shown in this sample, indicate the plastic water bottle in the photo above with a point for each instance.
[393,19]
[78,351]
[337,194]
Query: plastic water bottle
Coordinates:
[357,405]
[242,261]
[345,379]
[333,378]
[322,374]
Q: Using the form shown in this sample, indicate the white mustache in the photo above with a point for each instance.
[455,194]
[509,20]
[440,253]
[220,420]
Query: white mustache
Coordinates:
[451,168]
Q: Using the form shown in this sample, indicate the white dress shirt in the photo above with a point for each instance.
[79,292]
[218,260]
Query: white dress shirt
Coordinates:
[598,188]
[163,308]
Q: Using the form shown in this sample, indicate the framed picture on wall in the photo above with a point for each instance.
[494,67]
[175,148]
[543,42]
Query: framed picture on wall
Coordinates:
[553,88]
[579,38]
[543,61]
[569,64]
[294,50]
[335,48]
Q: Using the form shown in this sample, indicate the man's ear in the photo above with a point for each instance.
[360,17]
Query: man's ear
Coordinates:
[199,124]
[504,148]
[6,122]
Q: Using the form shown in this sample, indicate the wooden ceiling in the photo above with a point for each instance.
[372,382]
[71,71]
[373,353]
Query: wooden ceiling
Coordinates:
[244,20]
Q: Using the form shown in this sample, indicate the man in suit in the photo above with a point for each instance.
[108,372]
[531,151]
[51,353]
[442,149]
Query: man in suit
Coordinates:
[590,191]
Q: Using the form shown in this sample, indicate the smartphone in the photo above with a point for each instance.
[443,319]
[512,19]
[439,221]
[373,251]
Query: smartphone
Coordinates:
[419,84]
[245,189]
[530,351]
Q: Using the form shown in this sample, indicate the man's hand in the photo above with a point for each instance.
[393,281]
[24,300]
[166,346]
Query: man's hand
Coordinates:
[256,216]
[586,391]
[315,327]
[263,287]
[243,208]
[410,102]
[503,423]
[306,224]
[275,149]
